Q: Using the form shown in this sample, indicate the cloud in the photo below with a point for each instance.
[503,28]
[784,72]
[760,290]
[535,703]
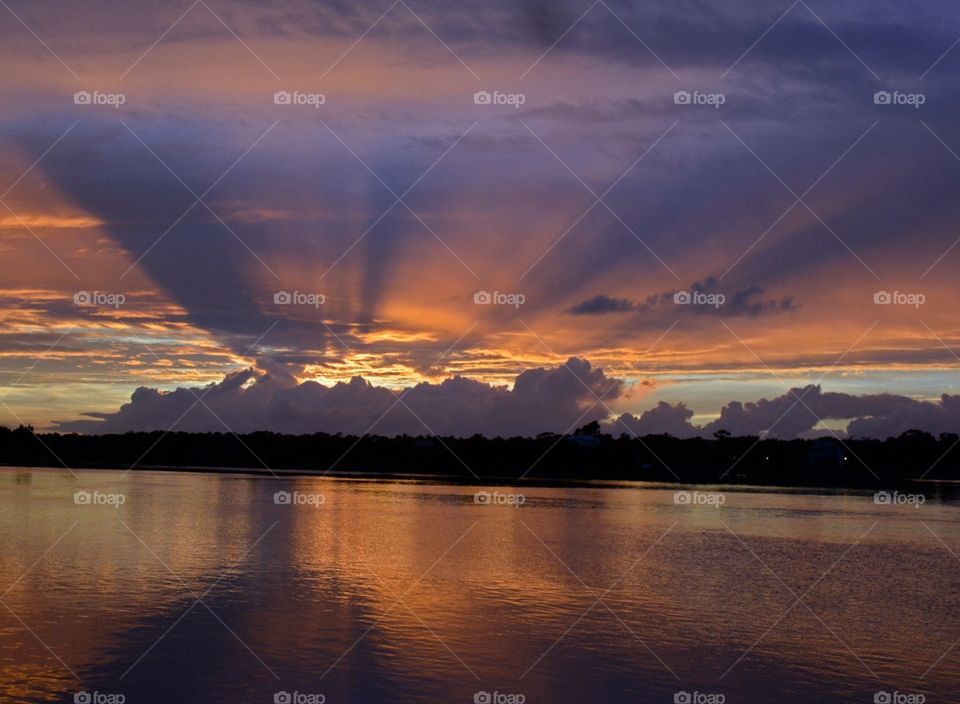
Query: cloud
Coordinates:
[797,412]
[541,400]
[746,302]
[662,419]
[942,417]
[686,34]
[602,303]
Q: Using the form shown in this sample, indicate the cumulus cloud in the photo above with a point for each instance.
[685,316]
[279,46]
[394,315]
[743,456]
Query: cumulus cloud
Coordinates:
[541,400]
[797,412]
[662,419]
[934,417]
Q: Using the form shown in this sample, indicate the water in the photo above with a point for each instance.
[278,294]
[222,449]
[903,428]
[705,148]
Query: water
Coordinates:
[412,592]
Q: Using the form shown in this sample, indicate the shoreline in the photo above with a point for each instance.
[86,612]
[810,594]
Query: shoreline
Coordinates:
[948,486]
[567,460]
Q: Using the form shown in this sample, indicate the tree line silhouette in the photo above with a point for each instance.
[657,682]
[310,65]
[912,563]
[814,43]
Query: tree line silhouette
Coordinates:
[587,453]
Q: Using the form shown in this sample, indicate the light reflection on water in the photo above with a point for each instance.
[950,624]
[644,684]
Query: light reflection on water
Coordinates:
[409,591]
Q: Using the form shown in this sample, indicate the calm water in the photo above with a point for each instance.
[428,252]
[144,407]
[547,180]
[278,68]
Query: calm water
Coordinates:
[412,592]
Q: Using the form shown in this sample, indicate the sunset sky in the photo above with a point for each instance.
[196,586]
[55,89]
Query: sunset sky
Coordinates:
[400,197]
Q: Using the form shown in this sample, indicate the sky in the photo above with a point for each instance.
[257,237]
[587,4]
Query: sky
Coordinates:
[496,217]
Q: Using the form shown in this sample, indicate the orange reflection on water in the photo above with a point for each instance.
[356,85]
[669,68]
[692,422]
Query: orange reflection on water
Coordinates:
[413,588]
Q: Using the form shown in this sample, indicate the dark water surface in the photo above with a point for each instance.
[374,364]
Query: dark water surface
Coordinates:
[200,588]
